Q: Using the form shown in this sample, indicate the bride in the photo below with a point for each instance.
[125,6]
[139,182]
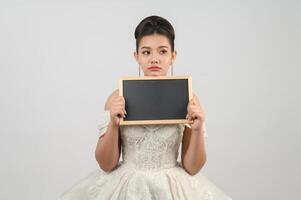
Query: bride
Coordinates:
[149,168]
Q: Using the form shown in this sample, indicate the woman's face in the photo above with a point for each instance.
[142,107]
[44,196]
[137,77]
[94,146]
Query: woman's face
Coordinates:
[154,55]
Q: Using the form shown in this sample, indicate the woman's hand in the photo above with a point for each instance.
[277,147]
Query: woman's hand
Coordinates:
[117,109]
[196,114]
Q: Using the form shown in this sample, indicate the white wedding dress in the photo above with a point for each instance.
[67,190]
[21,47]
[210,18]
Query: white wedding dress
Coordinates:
[150,169]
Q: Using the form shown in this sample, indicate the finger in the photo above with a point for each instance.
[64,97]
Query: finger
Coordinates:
[191,104]
[122,112]
[188,113]
[194,115]
[119,99]
[189,116]
[119,113]
[122,99]
[190,120]
[117,120]
[188,108]
[193,101]
[190,101]
[196,110]
[191,109]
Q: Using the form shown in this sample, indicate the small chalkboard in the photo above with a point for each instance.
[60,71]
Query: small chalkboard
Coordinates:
[155,100]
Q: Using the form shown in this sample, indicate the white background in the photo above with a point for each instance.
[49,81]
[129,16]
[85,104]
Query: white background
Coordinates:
[60,60]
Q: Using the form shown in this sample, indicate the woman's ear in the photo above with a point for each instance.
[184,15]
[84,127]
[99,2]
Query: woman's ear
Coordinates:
[174,55]
[135,56]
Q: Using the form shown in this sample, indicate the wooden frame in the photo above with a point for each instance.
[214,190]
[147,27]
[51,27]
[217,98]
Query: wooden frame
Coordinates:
[160,121]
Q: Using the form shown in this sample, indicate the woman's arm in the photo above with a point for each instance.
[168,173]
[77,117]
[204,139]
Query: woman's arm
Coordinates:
[107,152]
[193,146]
[193,151]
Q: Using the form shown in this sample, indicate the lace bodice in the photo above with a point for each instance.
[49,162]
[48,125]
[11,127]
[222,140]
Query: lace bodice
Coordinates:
[148,146]
[151,146]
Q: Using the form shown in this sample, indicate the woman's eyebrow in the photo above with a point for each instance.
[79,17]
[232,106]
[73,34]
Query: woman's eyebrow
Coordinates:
[160,47]
[145,47]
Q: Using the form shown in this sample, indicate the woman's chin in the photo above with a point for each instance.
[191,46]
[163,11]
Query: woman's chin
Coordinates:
[155,73]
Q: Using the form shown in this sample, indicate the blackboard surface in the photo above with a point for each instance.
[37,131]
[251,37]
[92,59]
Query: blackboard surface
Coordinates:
[155,100]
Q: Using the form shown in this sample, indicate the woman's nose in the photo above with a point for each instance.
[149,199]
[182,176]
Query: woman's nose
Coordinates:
[154,59]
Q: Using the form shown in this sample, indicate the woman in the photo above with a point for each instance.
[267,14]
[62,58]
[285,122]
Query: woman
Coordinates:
[149,168]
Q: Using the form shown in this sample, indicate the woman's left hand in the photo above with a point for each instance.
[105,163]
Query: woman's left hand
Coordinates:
[195,113]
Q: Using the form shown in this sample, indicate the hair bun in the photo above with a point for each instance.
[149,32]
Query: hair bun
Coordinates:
[154,24]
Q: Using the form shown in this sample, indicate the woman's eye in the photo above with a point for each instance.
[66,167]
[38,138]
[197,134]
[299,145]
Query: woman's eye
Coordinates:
[145,52]
[163,51]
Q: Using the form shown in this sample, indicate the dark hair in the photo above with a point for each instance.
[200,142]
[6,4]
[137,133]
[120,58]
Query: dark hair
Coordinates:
[155,24]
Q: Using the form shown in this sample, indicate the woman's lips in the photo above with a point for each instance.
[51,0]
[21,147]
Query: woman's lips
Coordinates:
[154,68]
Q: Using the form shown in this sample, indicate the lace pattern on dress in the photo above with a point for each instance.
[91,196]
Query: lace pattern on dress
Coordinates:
[151,146]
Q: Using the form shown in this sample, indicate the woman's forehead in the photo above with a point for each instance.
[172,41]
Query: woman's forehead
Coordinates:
[159,47]
[154,41]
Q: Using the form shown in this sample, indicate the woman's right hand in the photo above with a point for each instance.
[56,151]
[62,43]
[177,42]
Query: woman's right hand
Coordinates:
[117,110]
